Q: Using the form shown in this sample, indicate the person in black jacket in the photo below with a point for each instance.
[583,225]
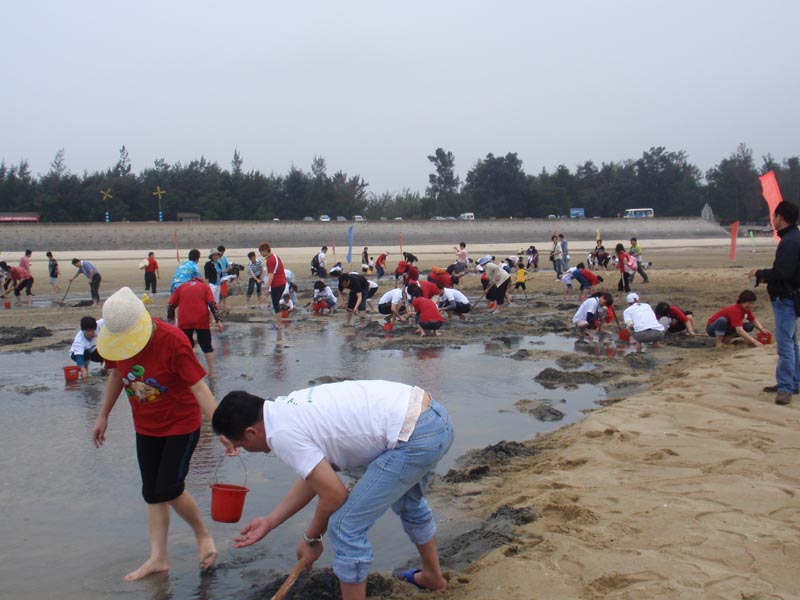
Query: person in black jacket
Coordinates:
[783,283]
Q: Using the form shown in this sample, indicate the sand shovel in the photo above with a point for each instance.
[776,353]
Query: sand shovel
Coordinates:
[61,302]
[286,586]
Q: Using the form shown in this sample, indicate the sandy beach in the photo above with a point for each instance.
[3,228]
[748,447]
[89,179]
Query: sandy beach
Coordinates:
[686,488]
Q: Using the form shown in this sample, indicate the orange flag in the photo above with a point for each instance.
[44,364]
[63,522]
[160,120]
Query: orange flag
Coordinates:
[772,194]
[734,235]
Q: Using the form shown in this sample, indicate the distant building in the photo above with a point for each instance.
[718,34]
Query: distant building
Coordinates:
[19,217]
[187,216]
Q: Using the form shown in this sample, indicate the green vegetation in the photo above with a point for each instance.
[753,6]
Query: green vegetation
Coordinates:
[496,186]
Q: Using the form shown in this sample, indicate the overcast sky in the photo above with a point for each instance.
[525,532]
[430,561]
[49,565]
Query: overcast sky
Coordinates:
[374,87]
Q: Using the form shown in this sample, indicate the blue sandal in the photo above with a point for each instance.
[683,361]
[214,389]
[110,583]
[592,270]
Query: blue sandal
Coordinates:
[408,576]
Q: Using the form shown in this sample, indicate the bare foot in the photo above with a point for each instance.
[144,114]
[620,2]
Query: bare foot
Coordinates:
[207,551]
[152,565]
[438,333]
[430,582]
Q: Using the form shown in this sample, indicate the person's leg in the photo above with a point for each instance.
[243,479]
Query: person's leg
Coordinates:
[188,510]
[386,482]
[717,329]
[189,334]
[204,341]
[786,375]
[642,272]
[94,286]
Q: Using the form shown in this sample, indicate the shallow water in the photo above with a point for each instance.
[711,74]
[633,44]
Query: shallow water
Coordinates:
[71,517]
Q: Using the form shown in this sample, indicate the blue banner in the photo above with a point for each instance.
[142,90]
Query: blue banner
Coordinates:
[350,249]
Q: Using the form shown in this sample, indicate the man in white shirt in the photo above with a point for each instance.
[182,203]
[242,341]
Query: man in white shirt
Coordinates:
[322,269]
[454,302]
[640,318]
[393,305]
[317,431]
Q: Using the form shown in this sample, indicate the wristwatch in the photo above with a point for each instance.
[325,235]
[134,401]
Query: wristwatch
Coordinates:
[312,541]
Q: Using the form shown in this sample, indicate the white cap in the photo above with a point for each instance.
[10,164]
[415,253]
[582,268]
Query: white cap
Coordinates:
[633,297]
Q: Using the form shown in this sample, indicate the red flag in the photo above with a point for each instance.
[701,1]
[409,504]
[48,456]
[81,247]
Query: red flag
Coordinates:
[401,243]
[772,194]
[734,235]
[334,245]
[175,241]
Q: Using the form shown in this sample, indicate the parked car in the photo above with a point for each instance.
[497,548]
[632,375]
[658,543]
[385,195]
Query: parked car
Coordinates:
[398,218]
[276,219]
[437,218]
[450,219]
[358,218]
[308,219]
[324,218]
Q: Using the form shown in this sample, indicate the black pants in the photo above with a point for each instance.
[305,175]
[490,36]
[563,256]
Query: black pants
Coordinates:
[624,283]
[94,287]
[203,339]
[25,284]
[276,293]
[150,281]
[163,464]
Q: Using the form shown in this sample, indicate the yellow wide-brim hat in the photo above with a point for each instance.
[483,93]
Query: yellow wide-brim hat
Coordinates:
[128,326]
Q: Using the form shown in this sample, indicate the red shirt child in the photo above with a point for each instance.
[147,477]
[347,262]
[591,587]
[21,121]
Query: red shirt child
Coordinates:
[152,265]
[735,313]
[589,276]
[439,275]
[426,309]
[192,300]
[429,289]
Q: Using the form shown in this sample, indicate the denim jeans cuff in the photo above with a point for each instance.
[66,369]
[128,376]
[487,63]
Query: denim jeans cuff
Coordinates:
[351,571]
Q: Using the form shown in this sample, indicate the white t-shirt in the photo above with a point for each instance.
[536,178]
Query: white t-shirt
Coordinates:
[568,276]
[453,295]
[81,343]
[642,316]
[373,284]
[394,296]
[592,305]
[349,423]
[326,294]
[321,259]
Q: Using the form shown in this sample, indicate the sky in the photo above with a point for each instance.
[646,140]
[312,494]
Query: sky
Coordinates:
[375,87]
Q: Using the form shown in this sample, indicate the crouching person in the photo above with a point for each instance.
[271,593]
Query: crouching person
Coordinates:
[398,432]
[589,315]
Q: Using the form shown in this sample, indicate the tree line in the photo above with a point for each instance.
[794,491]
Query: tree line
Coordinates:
[495,186]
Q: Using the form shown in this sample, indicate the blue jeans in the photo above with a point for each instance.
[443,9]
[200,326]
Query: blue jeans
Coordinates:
[558,265]
[394,479]
[719,328]
[787,371]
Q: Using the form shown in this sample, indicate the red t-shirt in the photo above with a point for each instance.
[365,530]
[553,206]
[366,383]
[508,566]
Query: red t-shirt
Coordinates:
[623,261]
[157,382]
[426,310]
[191,299]
[275,265]
[589,276]
[380,260]
[735,315]
[152,265]
[677,314]
[429,290]
[439,275]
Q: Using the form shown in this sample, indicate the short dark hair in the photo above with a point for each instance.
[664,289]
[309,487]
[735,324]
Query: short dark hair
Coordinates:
[455,279]
[48,254]
[151,254]
[75,261]
[619,248]
[662,309]
[237,411]
[28,252]
[251,254]
[88,323]
[633,239]
[265,247]
[414,291]
[788,211]
[320,285]
[221,248]
[344,278]
[194,255]
[580,265]
[746,296]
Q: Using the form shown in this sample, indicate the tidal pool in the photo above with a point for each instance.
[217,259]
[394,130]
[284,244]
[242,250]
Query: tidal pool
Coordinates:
[72,519]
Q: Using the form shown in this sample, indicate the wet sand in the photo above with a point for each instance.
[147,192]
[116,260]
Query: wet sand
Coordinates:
[685,489]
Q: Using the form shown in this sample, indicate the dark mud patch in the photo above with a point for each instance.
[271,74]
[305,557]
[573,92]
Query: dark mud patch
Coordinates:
[29,390]
[322,584]
[685,341]
[479,463]
[498,530]
[326,379]
[567,306]
[570,361]
[540,410]
[10,336]
[638,360]
[553,378]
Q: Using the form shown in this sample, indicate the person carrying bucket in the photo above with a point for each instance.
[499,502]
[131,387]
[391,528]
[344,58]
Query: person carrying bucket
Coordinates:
[397,431]
[154,364]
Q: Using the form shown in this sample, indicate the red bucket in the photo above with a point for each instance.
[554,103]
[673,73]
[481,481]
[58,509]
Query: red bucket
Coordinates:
[388,326]
[227,502]
[625,335]
[7,305]
[284,313]
[72,373]
[764,338]
[492,305]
